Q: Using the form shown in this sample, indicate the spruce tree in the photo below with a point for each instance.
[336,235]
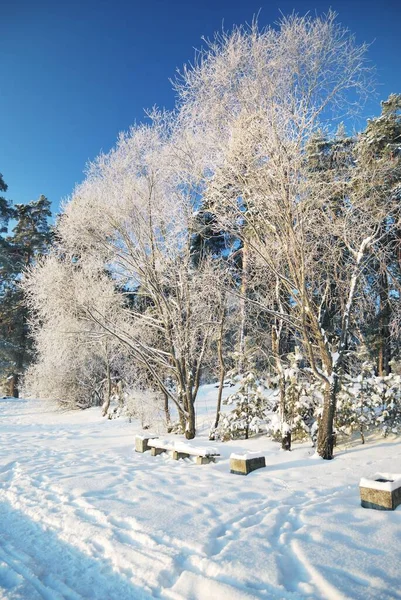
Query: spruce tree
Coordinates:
[28,241]
[380,146]
[207,238]
[6,211]
[248,415]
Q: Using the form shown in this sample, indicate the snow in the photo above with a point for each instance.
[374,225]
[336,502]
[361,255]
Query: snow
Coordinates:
[147,436]
[174,443]
[191,448]
[161,443]
[246,455]
[84,516]
[393,482]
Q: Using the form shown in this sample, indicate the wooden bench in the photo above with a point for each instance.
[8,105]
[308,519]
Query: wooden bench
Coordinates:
[179,450]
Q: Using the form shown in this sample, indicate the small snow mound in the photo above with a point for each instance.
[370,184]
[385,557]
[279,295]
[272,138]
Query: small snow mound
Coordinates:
[316,456]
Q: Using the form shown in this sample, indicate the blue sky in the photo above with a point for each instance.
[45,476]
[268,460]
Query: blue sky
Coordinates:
[73,74]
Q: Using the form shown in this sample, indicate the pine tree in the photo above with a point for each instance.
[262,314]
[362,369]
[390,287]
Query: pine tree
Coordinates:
[6,212]
[248,414]
[29,240]
[379,146]
[207,239]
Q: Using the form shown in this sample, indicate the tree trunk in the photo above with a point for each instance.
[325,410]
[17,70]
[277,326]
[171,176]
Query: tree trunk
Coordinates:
[384,354]
[167,412]
[326,437]
[286,441]
[20,359]
[182,419]
[106,403]
[221,379]
[244,287]
[13,386]
[325,440]
[19,367]
[284,428]
[190,430]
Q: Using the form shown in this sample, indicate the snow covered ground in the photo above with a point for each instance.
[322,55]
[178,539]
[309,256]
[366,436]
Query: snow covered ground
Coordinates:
[84,516]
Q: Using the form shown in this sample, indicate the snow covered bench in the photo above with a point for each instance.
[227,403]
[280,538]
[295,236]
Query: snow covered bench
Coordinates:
[204,455]
[382,492]
[243,464]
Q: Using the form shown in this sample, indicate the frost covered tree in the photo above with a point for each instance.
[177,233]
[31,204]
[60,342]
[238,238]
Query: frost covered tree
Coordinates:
[134,215]
[256,98]
[74,359]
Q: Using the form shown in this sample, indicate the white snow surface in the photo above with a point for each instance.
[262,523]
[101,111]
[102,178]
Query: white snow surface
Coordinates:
[246,455]
[393,482]
[147,436]
[83,516]
[174,442]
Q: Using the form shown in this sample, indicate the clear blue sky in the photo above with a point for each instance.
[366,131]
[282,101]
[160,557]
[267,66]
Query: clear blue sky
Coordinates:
[75,73]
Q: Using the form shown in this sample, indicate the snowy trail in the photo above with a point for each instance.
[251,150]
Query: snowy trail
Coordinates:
[83,516]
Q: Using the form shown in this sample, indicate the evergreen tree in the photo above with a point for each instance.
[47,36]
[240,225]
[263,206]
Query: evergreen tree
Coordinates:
[249,412]
[332,159]
[207,239]
[29,240]
[6,212]
[380,146]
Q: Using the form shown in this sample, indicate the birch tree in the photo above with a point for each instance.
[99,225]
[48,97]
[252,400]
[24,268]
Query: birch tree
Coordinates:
[74,358]
[256,98]
[134,214]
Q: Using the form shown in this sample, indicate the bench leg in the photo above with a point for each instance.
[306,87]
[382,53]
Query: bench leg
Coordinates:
[156,451]
[177,455]
[205,460]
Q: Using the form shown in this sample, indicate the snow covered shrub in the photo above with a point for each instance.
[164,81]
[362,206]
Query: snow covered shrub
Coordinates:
[302,403]
[387,394]
[369,402]
[146,406]
[249,413]
[296,401]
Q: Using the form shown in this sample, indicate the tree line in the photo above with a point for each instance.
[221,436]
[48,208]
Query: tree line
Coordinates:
[244,232]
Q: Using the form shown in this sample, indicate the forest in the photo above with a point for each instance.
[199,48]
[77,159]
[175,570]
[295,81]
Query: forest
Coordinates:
[250,237]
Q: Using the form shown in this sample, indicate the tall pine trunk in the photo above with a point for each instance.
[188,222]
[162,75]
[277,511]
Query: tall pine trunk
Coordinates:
[244,289]
[384,350]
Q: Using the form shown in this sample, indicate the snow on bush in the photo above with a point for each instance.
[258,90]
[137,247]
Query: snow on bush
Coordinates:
[249,413]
